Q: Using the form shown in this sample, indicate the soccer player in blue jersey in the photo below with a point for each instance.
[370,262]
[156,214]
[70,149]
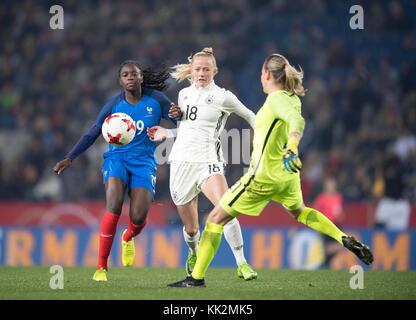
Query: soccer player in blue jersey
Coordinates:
[132,167]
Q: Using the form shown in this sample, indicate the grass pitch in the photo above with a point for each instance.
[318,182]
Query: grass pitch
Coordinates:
[150,284]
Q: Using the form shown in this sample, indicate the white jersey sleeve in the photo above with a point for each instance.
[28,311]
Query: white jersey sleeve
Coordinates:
[232,104]
[172,133]
[204,113]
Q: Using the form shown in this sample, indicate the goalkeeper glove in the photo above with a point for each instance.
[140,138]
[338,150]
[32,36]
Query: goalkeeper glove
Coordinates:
[291,161]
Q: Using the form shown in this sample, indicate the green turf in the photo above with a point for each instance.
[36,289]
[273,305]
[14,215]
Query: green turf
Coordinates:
[150,283]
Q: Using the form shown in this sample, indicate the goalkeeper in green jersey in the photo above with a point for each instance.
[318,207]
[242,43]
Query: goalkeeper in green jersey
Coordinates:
[274,170]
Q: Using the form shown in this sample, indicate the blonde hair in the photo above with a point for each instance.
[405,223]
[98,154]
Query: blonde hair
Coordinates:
[283,72]
[182,71]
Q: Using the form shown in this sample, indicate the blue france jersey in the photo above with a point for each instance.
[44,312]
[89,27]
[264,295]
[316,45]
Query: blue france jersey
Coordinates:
[152,106]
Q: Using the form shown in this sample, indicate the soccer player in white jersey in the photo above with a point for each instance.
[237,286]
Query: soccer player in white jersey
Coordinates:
[197,162]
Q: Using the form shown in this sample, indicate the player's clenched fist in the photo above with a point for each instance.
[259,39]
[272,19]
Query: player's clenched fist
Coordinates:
[62,165]
[175,112]
[291,162]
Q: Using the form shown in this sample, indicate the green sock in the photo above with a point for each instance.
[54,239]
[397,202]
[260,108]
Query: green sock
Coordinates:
[319,222]
[208,246]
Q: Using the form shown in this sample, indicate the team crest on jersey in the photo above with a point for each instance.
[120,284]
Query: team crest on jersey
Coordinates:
[174,195]
[149,110]
[209,99]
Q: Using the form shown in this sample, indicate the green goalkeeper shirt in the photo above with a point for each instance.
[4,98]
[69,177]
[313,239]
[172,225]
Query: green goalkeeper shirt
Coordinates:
[280,115]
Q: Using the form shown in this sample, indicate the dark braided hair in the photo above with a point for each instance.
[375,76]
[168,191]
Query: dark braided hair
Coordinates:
[153,78]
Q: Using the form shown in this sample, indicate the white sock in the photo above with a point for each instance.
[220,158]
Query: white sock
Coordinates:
[234,237]
[192,242]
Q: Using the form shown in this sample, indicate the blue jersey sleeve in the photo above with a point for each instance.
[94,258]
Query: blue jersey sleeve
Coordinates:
[85,142]
[89,138]
[164,102]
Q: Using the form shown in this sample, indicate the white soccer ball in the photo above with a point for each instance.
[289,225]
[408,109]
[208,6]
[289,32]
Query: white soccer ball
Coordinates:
[118,129]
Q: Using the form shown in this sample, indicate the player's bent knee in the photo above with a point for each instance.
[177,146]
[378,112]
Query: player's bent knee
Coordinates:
[219,216]
[114,206]
[138,217]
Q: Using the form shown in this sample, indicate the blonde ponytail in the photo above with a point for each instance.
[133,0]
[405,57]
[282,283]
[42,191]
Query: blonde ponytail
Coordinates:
[285,74]
[181,72]
[294,80]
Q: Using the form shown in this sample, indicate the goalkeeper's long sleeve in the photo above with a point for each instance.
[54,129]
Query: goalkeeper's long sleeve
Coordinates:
[289,114]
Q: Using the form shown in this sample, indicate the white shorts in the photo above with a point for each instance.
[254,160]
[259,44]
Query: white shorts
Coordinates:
[186,178]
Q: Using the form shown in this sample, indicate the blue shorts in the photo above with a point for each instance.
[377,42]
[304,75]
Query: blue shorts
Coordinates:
[133,174]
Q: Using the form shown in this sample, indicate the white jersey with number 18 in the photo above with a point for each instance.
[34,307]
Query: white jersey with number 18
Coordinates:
[204,113]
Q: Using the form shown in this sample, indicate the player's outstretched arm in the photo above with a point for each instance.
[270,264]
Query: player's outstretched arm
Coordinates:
[232,104]
[62,165]
[83,144]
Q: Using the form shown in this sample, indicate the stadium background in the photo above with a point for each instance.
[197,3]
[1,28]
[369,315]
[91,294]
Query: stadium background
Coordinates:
[360,111]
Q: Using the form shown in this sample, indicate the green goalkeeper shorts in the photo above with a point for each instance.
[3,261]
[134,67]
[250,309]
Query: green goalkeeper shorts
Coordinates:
[248,196]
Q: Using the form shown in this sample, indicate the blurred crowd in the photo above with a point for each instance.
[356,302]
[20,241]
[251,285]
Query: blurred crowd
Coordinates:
[360,107]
